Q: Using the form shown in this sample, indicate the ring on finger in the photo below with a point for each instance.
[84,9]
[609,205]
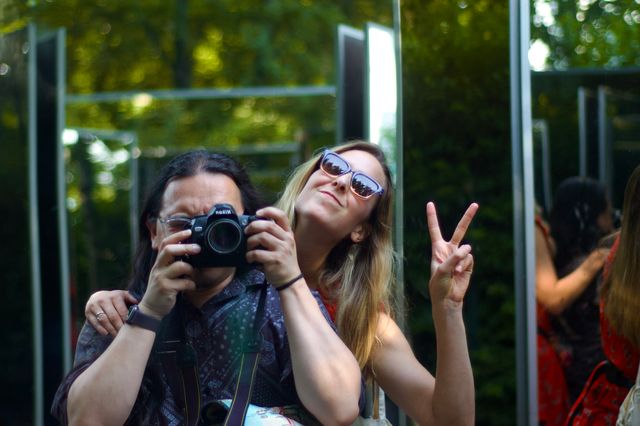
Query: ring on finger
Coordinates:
[100,315]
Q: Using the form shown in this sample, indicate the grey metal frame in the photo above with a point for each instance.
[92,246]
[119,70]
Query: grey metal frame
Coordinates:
[399,189]
[65,274]
[583,93]
[604,174]
[523,214]
[34,228]
[205,94]
[340,84]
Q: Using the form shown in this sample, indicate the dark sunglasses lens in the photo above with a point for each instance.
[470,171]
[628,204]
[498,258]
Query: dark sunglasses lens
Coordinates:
[363,185]
[334,165]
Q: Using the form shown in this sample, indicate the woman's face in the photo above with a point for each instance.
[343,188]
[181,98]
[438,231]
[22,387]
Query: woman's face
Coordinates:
[330,202]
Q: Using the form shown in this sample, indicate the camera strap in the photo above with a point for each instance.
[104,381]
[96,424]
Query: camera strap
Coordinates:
[248,368]
[179,363]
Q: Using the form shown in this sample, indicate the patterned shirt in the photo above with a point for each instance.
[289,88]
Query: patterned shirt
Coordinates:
[216,331]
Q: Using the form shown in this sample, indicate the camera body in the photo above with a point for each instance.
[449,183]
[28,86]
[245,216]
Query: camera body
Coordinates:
[220,234]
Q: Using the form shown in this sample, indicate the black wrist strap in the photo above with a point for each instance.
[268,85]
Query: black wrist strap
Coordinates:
[288,283]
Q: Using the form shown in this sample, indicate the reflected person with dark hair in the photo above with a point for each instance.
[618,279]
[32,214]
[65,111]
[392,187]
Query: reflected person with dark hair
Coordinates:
[127,378]
[580,217]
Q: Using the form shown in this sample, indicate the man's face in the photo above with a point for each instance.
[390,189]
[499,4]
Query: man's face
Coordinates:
[194,196]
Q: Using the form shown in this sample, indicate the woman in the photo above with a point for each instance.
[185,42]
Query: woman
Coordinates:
[610,381]
[580,217]
[338,205]
[553,296]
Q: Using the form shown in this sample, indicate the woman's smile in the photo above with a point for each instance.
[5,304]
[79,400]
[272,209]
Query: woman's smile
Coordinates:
[329,194]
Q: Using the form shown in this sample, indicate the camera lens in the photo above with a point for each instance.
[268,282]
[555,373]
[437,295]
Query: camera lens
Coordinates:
[214,413]
[224,236]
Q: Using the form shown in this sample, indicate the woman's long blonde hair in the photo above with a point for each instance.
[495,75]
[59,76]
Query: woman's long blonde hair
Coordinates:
[357,277]
[621,289]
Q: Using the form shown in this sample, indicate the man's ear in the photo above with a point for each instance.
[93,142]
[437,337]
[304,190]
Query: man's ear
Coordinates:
[360,232]
[152,226]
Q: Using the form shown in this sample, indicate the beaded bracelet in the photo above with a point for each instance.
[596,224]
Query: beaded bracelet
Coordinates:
[288,283]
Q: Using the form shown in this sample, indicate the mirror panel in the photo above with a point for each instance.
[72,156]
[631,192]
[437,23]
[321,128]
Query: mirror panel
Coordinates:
[232,82]
[147,81]
[15,254]
[585,88]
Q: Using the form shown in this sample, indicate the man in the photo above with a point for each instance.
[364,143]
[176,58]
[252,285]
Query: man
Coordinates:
[211,312]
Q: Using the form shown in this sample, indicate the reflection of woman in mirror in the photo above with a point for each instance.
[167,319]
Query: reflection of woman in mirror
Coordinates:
[610,381]
[580,216]
[342,239]
[567,264]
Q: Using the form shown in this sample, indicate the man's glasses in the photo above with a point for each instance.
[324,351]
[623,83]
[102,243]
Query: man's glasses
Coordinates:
[361,185]
[173,224]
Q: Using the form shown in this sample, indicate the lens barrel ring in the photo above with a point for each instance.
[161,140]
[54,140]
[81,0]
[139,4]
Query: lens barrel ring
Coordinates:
[224,235]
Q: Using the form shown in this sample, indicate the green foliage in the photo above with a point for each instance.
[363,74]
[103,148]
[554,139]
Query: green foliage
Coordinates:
[588,33]
[457,150]
[592,45]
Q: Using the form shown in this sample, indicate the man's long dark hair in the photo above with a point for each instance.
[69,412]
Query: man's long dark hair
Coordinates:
[182,166]
[577,203]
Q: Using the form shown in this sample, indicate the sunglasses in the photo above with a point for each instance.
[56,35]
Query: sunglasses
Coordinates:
[362,185]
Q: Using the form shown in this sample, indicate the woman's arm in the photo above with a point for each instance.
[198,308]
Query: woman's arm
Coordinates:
[326,374]
[557,294]
[449,399]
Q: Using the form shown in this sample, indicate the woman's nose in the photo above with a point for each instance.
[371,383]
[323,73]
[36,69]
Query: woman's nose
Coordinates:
[342,181]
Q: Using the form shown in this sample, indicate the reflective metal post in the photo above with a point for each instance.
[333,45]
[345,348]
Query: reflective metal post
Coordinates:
[34,230]
[523,214]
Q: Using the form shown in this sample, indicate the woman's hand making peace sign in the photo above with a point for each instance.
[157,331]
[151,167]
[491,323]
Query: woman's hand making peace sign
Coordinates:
[451,264]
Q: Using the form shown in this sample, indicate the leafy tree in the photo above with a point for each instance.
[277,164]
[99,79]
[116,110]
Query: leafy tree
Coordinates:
[591,44]
[588,33]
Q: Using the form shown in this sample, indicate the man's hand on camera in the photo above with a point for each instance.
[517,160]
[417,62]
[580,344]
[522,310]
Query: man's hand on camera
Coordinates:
[169,275]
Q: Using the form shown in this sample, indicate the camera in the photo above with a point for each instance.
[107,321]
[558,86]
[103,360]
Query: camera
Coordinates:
[220,233]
